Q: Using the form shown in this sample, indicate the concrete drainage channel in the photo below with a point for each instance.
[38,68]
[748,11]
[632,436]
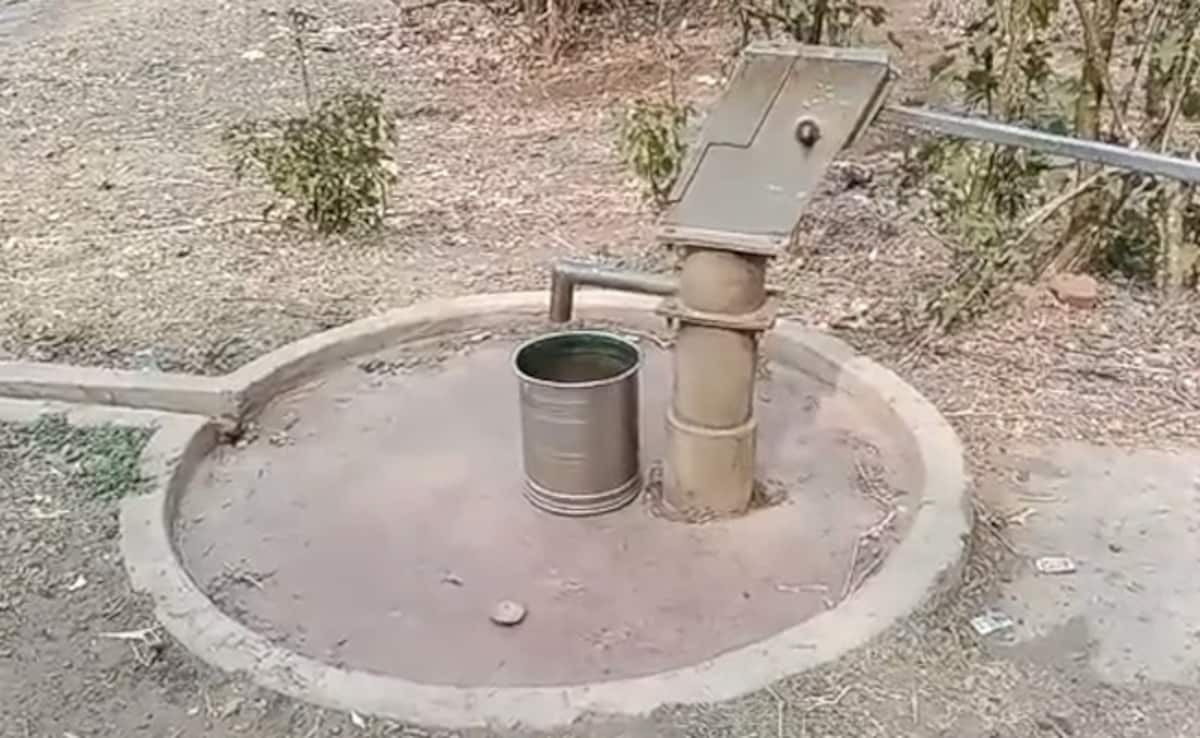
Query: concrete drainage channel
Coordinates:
[923,563]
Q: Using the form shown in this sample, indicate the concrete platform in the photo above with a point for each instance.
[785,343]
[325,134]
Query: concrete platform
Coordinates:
[379,516]
[348,554]
[1129,519]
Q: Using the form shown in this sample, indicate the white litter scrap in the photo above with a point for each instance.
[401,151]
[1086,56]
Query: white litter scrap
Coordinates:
[1054,565]
[992,621]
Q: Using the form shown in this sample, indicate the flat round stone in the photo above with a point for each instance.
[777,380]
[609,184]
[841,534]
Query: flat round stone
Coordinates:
[508,613]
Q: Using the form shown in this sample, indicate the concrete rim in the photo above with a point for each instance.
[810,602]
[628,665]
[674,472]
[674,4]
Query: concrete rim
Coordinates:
[924,564]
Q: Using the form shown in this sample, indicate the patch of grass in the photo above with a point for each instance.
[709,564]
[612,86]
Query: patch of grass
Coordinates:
[105,460]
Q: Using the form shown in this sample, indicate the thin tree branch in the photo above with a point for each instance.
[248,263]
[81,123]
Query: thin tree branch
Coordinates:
[1042,214]
[1099,62]
[1186,76]
[1142,59]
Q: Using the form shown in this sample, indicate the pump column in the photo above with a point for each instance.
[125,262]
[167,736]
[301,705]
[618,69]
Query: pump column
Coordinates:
[722,309]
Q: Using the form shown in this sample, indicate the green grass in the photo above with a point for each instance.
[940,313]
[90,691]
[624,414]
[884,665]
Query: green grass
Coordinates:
[105,459]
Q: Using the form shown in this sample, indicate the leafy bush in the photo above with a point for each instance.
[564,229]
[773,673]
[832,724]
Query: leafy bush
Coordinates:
[1015,215]
[333,161]
[651,140]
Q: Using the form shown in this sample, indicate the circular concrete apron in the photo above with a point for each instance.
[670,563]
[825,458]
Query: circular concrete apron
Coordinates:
[363,536]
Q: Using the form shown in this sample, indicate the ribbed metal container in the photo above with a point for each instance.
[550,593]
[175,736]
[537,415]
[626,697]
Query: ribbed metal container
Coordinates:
[579,421]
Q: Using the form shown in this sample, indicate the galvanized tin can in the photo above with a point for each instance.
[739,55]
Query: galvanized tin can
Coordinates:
[580,421]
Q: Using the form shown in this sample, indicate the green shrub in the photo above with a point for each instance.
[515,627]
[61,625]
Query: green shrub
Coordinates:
[333,161]
[652,145]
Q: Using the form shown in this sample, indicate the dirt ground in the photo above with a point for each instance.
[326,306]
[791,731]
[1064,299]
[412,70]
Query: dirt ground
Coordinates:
[125,242]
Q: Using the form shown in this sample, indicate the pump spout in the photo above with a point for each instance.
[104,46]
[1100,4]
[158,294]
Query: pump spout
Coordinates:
[568,274]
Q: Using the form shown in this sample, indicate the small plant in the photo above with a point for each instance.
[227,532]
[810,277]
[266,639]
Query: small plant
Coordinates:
[651,139]
[105,459]
[333,161]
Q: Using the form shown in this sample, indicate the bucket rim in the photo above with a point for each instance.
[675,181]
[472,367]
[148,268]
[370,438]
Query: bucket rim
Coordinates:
[631,370]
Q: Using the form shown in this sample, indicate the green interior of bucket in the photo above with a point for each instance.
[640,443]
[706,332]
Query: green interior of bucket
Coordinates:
[577,358]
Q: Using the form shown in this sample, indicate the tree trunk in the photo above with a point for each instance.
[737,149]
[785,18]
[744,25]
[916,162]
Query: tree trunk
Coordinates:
[1177,256]
[1082,236]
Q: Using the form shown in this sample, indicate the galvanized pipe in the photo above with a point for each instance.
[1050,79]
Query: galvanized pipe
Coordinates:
[568,274]
[975,129]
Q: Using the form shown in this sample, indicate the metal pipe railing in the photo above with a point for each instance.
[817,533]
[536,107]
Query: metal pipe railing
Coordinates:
[567,275]
[975,129]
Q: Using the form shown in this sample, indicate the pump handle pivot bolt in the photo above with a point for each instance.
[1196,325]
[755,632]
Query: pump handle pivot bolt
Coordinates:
[807,132]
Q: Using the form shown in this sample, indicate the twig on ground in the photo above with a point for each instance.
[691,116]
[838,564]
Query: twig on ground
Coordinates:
[781,703]
[148,637]
[871,487]
[241,576]
[116,607]
[829,701]
[875,531]
[850,570]
[409,7]
[142,634]
[989,520]
[867,571]
[853,582]
[316,726]
[973,413]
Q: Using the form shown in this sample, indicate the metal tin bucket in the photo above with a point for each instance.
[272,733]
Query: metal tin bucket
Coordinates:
[579,421]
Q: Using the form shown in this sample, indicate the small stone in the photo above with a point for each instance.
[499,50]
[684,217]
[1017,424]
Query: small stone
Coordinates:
[1116,548]
[854,175]
[508,613]
[1076,290]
